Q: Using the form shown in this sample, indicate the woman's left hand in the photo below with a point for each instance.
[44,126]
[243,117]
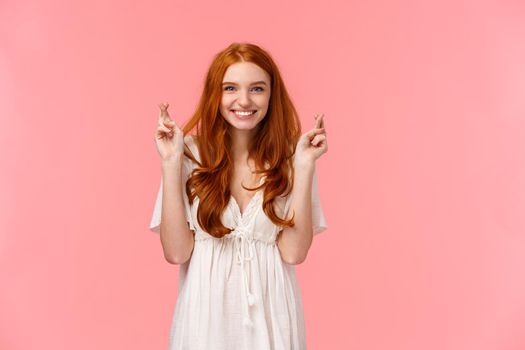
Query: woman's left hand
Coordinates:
[312,144]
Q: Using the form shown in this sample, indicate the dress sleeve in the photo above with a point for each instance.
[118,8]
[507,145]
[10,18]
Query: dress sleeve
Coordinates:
[318,219]
[154,225]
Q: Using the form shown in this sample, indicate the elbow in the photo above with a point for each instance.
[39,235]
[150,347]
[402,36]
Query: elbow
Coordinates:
[291,255]
[294,260]
[176,260]
[179,252]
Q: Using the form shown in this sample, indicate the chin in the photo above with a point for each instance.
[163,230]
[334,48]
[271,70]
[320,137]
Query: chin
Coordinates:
[242,126]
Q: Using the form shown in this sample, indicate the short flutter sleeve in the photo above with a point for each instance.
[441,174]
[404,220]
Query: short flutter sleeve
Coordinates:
[154,225]
[318,219]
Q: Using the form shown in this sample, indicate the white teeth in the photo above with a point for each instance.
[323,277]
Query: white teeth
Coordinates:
[243,113]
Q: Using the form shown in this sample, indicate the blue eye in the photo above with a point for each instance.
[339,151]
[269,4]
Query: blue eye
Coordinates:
[229,86]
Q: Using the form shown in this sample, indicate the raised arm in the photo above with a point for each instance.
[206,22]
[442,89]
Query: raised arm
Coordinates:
[294,242]
[176,237]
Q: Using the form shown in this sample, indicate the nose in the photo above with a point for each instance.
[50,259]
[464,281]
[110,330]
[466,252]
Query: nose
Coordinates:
[244,99]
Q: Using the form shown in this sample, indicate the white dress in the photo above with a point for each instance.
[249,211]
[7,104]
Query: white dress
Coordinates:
[236,292]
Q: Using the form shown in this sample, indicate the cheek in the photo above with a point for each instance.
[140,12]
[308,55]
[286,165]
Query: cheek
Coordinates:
[226,100]
[262,101]
[224,108]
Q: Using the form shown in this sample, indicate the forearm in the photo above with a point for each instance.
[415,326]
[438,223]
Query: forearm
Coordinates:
[176,237]
[294,242]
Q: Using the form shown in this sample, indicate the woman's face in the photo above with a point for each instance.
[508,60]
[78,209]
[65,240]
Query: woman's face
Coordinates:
[245,88]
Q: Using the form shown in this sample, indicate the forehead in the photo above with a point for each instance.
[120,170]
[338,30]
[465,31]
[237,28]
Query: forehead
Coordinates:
[245,73]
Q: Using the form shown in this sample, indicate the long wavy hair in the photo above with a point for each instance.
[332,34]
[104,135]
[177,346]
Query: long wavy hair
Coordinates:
[272,148]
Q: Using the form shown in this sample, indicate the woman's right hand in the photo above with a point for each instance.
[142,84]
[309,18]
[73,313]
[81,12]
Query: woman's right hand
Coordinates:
[169,137]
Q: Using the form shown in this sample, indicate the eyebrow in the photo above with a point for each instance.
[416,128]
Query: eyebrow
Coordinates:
[254,83]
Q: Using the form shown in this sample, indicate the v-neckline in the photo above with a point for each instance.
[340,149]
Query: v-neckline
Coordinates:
[232,198]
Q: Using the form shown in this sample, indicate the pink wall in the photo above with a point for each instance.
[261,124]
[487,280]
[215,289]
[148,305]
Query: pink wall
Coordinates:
[423,185]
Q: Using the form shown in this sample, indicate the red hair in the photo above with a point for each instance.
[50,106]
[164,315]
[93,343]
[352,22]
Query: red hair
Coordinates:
[272,146]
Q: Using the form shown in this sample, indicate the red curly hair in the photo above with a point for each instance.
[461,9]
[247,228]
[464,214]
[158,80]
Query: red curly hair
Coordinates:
[272,148]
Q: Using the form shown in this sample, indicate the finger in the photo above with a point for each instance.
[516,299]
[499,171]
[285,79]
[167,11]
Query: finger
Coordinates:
[314,132]
[162,128]
[319,120]
[170,123]
[164,105]
[164,110]
[161,135]
[318,139]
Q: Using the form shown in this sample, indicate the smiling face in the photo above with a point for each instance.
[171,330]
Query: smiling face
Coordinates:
[245,95]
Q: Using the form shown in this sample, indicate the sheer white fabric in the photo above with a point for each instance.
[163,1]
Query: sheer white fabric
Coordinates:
[236,292]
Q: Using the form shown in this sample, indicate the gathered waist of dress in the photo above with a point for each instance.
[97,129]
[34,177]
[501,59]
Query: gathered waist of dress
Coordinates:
[204,236]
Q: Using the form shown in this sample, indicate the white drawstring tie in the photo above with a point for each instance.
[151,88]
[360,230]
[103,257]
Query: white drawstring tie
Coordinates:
[243,241]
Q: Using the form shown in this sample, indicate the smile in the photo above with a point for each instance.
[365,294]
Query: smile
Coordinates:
[243,113]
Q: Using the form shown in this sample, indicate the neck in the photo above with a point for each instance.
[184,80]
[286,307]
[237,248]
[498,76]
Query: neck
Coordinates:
[240,141]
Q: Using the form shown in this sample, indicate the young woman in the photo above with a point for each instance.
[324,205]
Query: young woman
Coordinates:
[238,206]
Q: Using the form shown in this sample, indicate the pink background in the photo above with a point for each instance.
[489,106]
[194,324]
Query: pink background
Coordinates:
[423,186]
